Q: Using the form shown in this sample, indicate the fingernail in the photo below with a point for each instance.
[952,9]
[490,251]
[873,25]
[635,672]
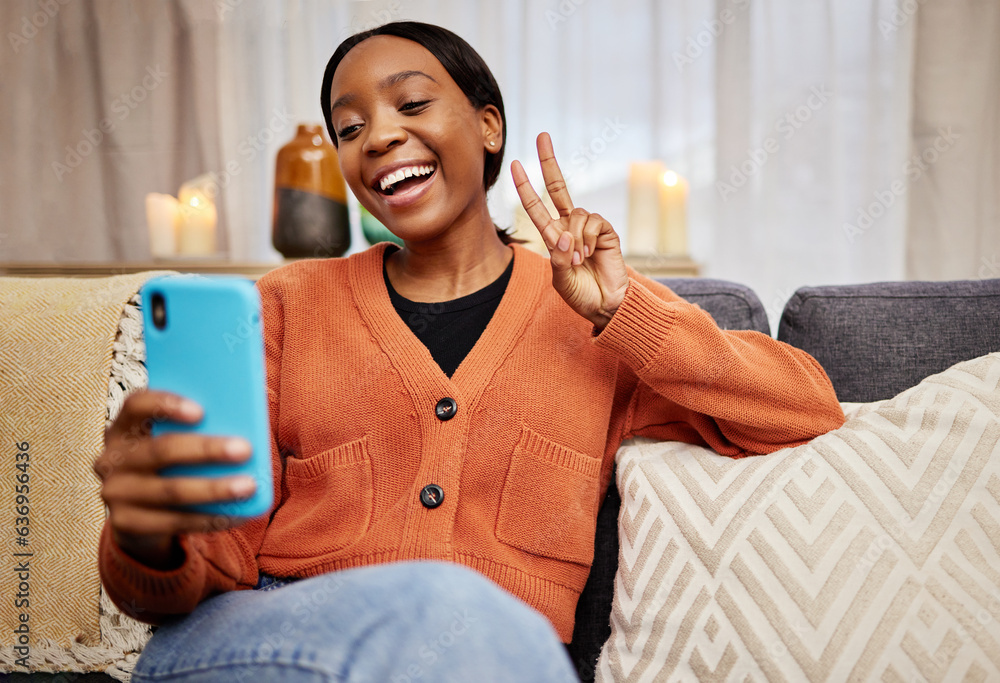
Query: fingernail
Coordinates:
[564,241]
[189,408]
[236,448]
[586,250]
[576,258]
[242,486]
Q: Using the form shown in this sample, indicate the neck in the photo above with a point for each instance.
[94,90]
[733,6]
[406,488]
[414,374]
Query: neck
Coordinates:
[460,261]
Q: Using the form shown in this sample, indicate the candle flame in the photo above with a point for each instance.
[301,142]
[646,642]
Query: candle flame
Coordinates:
[670,178]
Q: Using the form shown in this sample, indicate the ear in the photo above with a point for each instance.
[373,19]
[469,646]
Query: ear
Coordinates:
[492,125]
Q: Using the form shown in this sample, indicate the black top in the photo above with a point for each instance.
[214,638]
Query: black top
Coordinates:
[449,329]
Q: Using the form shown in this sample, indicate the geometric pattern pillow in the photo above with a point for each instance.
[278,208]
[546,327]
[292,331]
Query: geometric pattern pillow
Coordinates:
[870,553]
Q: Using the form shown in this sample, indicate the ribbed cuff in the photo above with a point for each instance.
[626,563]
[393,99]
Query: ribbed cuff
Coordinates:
[145,588]
[638,328]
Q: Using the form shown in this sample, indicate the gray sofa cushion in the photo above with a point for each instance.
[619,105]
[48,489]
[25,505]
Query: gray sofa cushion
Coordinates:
[876,340]
[734,307]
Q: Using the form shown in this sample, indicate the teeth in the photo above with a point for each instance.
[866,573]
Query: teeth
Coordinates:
[408,172]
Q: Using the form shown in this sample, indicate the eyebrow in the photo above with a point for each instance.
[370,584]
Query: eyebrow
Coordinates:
[386,82]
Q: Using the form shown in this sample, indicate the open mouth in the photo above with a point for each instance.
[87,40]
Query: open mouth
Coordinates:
[404,179]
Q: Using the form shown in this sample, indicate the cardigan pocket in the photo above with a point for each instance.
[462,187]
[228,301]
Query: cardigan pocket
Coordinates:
[329,503]
[549,502]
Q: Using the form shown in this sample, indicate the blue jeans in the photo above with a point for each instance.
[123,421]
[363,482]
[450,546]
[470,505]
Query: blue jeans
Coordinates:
[389,623]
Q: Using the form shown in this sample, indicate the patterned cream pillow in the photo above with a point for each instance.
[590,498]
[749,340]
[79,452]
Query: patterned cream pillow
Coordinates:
[871,553]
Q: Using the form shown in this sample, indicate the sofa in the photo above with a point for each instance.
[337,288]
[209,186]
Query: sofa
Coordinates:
[874,340]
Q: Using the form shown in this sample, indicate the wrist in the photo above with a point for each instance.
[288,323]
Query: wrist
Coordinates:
[158,551]
[607,311]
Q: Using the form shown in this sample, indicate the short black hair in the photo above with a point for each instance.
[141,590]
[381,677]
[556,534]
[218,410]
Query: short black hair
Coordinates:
[459,59]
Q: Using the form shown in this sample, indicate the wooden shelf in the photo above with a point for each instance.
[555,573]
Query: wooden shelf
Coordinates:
[651,266]
[248,270]
[655,265]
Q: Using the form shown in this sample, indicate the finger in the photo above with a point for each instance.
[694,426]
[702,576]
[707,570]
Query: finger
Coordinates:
[142,407]
[188,449]
[562,254]
[554,182]
[144,521]
[537,212]
[591,231]
[152,454]
[166,492]
[577,220]
[607,238]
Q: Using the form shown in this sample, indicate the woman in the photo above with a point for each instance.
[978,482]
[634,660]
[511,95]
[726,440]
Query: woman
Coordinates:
[459,400]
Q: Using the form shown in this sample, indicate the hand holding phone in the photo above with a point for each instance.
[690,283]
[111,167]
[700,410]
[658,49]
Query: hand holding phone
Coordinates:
[192,453]
[148,511]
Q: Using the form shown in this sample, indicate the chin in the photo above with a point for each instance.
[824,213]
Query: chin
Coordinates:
[421,227]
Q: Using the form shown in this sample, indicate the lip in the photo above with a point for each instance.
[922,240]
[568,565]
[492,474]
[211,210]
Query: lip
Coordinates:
[402,199]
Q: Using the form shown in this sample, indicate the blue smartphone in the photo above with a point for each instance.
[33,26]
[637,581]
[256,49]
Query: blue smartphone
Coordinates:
[204,342]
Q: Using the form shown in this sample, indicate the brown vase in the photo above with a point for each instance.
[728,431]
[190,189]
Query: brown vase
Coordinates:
[310,198]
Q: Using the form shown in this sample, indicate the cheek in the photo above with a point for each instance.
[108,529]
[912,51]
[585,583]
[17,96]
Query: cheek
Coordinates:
[465,149]
[349,168]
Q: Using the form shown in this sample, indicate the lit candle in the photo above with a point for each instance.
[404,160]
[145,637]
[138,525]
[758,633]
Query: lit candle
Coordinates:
[673,214]
[198,218]
[644,180]
[162,219]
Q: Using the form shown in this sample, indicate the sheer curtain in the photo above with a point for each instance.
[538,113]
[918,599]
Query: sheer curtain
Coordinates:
[793,122]
[828,91]
[954,227]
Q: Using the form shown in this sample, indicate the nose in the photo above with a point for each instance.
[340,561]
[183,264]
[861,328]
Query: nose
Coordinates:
[384,133]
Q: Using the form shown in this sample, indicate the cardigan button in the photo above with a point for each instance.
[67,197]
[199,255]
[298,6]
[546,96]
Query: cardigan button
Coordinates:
[446,408]
[431,495]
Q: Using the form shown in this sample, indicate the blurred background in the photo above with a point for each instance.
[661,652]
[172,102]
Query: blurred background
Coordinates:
[807,143]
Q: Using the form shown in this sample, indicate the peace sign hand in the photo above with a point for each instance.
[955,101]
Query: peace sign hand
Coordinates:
[588,269]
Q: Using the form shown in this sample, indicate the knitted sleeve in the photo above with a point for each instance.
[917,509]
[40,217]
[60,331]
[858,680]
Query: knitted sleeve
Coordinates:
[738,391]
[214,562]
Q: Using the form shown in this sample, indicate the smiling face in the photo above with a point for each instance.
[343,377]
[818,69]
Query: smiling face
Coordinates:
[411,145]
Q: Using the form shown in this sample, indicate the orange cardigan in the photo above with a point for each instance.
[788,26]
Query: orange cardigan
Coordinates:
[524,459]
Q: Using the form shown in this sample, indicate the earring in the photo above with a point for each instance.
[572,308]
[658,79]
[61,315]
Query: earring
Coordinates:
[493,143]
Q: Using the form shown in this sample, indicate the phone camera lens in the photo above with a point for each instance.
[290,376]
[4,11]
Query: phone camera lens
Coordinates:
[158,310]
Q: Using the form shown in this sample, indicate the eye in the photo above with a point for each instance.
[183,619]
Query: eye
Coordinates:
[347,131]
[413,105]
